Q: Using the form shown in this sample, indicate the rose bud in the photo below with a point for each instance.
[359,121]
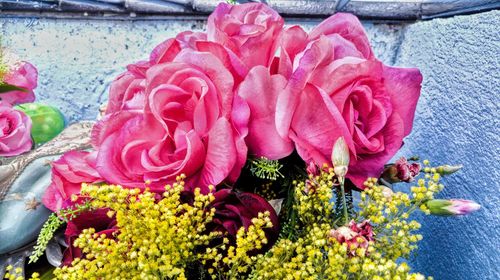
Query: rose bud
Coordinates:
[47,121]
[451,207]
[97,219]
[340,157]
[234,210]
[401,171]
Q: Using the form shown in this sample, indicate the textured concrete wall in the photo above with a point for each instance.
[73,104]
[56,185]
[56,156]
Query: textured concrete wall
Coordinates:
[77,59]
[456,120]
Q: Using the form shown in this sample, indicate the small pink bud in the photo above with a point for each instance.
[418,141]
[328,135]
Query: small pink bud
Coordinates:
[452,207]
[355,235]
[343,234]
[401,171]
[312,168]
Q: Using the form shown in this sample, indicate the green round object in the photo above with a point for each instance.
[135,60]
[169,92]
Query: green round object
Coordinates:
[47,121]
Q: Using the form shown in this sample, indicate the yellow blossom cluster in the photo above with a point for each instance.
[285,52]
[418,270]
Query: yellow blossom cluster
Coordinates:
[161,239]
[165,238]
[266,191]
[313,198]
[12,273]
[315,254]
[236,261]
[157,239]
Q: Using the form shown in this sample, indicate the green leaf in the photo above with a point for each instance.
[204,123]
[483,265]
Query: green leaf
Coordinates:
[48,275]
[8,87]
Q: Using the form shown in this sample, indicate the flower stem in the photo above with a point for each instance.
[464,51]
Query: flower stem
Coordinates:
[344,204]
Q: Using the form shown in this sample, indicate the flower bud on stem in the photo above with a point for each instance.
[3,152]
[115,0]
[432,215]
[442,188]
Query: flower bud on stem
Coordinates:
[340,161]
[451,207]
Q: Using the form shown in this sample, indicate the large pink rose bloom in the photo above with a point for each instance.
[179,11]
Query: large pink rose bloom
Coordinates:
[127,91]
[335,88]
[68,174]
[250,30]
[186,127]
[344,36]
[369,104]
[344,31]
[22,75]
[15,131]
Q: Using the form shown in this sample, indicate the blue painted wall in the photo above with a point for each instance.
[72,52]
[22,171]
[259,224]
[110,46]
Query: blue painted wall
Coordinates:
[458,122]
[457,119]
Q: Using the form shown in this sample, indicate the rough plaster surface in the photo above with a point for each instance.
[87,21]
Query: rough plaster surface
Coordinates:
[77,59]
[456,120]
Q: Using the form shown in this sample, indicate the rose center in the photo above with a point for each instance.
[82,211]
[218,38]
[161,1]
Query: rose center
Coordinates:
[6,126]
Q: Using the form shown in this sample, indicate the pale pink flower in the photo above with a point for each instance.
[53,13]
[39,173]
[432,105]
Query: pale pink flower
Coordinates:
[15,131]
[23,75]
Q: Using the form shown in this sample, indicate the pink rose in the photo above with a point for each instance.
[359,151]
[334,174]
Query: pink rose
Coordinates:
[96,219]
[22,75]
[307,61]
[347,35]
[344,31]
[187,127]
[353,95]
[334,88]
[237,209]
[68,174]
[127,91]
[260,91]
[369,104]
[15,131]
[250,30]
[167,50]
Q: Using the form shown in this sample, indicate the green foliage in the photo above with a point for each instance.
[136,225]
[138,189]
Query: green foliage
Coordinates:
[339,207]
[53,223]
[4,87]
[70,213]
[264,168]
[49,228]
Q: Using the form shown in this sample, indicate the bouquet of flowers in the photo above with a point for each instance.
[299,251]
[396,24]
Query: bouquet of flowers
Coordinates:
[251,151]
